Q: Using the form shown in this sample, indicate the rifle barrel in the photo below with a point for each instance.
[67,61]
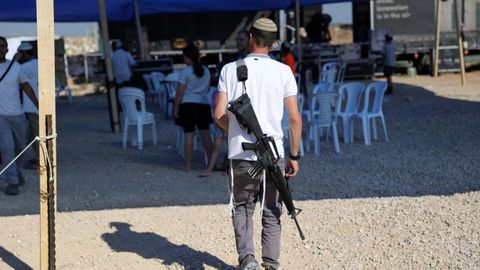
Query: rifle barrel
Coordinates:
[298,227]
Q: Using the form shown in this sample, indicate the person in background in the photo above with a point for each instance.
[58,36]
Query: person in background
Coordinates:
[191,108]
[29,63]
[242,45]
[270,86]
[318,27]
[12,117]
[389,62]
[218,136]
[122,62]
[287,56]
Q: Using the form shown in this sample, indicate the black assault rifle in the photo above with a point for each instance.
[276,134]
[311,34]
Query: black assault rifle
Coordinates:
[266,151]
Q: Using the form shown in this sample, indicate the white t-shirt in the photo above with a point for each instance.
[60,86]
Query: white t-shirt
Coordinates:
[121,62]
[30,69]
[269,83]
[9,89]
[196,88]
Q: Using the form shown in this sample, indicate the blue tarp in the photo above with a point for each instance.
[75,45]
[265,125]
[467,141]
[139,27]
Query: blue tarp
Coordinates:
[123,10]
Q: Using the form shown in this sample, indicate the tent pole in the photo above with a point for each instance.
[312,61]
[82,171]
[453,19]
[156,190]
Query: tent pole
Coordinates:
[282,22]
[460,42]
[299,41]
[437,38]
[47,127]
[111,92]
[139,30]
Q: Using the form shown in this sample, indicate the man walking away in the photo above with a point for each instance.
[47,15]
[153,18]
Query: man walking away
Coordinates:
[270,86]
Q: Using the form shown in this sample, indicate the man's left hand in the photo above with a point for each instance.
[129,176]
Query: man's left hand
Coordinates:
[291,168]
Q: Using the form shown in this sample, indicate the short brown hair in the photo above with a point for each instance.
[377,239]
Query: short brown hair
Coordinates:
[263,38]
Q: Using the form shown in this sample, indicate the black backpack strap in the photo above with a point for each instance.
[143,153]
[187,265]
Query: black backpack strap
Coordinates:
[242,72]
[6,71]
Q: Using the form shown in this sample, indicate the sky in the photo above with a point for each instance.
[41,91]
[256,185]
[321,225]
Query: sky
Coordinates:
[340,12]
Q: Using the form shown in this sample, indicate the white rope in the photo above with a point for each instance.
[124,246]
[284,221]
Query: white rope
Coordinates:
[231,208]
[42,142]
[264,182]
[49,161]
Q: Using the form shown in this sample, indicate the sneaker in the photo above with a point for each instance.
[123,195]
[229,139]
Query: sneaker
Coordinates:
[12,190]
[249,263]
[268,267]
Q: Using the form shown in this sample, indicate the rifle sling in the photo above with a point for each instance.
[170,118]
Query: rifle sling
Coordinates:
[6,71]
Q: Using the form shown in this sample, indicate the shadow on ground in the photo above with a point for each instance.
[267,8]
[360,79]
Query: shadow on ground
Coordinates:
[158,247]
[13,261]
[433,150]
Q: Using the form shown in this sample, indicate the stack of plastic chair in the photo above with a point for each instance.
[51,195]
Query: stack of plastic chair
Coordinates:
[170,83]
[308,83]
[325,117]
[329,72]
[347,106]
[372,108]
[318,88]
[285,123]
[312,111]
[340,75]
[150,89]
[130,98]
[157,78]
[59,89]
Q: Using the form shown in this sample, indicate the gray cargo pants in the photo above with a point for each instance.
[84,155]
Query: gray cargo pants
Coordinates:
[246,192]
[12,137]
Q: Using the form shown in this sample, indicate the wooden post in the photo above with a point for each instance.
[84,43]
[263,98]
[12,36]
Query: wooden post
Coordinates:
[139,30]
[437,38]
[112,93]
[47,126]
[460,42]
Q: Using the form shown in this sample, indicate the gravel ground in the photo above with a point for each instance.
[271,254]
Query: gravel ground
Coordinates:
[411,203]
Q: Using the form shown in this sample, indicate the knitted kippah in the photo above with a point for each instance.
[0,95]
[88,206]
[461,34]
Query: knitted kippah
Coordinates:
[265,24]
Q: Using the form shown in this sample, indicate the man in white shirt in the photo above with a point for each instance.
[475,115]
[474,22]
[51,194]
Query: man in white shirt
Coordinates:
[12,118]
[123,63]
[30,69]
[270,86]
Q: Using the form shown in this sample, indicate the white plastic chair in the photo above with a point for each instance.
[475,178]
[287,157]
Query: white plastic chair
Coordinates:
[285,124]
[340,75]
[170,83]
[329,72]
[309,83]
[157,78]
[347,106]
[324,118]
[129,98]
[154,95]
[372,108]
[59,89]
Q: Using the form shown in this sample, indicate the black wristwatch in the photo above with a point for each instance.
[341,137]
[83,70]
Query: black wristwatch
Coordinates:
[297,157]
